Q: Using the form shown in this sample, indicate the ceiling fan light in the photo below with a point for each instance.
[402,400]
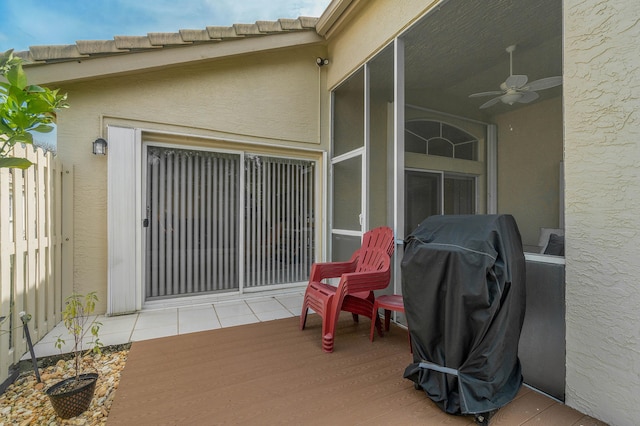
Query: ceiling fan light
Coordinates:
[511,98]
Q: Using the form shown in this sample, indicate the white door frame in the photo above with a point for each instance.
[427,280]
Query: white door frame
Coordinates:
[143,197]
[125,263]
[364,153]
[398,156]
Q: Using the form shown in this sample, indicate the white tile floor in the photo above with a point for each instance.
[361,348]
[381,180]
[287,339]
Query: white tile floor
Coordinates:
[169,321]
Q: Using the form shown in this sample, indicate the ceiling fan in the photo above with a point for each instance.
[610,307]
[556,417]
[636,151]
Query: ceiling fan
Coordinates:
[515,88]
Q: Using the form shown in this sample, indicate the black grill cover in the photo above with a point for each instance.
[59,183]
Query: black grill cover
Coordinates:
[463,282]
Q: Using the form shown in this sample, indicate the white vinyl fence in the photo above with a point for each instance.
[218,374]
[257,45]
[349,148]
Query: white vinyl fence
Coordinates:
[30,253]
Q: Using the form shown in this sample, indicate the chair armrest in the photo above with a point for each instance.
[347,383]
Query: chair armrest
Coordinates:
[320,271]
[365,281]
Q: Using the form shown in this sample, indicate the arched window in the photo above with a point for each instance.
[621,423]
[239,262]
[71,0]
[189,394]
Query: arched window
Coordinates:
[438,138]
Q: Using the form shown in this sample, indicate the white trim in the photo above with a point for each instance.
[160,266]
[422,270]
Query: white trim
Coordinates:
[328,233]
[151,142]
[442,176]
[138,219]
[143,216]
[123,257]
[366,152]
[242,288]
[398,155]
[332,14]
[245,141]
[492,169]
[125,208]
[324,199]
[143,197]
[242,225]
[391,166]
[446,114]
[561,196]
[545,258]
[232,296]
[348,155]
[358,152]
[346,232]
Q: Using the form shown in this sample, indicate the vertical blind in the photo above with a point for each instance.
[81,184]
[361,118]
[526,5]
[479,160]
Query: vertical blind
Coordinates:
[193,220]
[279,220]
[194,216]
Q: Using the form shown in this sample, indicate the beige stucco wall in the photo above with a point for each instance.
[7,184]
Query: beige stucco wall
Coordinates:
[265,99]
[530,150]
[602,133]
[374,26]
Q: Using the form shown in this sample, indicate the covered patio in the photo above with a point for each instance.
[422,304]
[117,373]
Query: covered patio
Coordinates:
[354,99]
[272,373]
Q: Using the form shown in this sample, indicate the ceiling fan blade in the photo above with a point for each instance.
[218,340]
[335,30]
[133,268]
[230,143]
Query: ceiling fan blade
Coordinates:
[492,93]
[490,102]
[516,81]
[545,83]
[528,97]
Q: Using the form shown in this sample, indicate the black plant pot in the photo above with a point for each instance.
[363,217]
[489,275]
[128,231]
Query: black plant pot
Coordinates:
[71,403]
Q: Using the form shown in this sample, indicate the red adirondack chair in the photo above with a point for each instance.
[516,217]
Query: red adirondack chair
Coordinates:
[366,271]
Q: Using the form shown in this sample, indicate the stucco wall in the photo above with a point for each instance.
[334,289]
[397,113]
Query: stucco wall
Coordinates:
[529,154]
[361,39]
[262,98]
[602,130]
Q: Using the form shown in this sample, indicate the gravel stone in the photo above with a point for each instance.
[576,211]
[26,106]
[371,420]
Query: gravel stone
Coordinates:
[26,403]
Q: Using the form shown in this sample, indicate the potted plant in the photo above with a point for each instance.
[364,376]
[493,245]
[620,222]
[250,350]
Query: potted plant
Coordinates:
[72,396]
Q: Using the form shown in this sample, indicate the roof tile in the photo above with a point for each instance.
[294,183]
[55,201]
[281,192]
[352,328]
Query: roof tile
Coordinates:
[217,32]
[269,26]
[133,42]
[124,44]
[247,29]
[290,24]
[93,47]
[166,39]
[55,52]
[308,22]
[195,35]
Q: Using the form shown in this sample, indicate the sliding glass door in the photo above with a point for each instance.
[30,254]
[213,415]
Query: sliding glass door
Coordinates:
[279,220]
[434,193]
[220,221]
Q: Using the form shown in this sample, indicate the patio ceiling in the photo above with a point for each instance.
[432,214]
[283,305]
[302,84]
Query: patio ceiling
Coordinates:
[459,49]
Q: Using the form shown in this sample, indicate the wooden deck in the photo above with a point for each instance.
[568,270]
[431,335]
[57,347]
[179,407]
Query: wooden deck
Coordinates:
[272,373]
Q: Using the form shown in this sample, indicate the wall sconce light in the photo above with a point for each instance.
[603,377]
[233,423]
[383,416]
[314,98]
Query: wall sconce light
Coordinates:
[100,147]
[322,61]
